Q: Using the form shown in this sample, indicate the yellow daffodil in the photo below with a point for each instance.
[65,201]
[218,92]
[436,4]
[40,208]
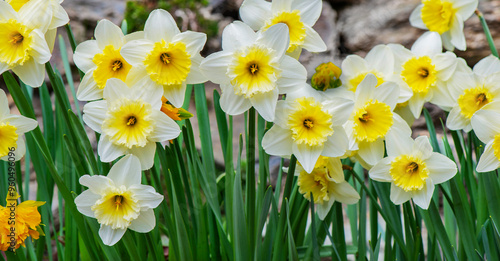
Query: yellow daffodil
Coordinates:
[487,128]
[25,222]
[170,59]
[413,169]
[373,119]
[101,60]
[472,91]
[12,129]
[308,126]
[445,17]
[253,70]
[119,201]
[425,70]
[130,121]
[327,76]
[298,15]
[327,185]
[23,47]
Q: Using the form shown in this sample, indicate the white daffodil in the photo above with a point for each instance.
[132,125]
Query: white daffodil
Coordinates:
[252,69]
[130,121]
[445,17]
[379,61]
[487,128]
[413,169]
[327,185]
[373,119]
[23,47]
[119,201]
[170,58]
[425,70]
[472,91]
[308,126]
[298,15]
[12,129]
[101,60]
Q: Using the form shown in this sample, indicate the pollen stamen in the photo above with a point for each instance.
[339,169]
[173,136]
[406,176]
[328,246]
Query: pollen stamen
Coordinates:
[308,123]
[165,58]
[117,65]
[481,98]
[17,38]
[254,68]
[412,168]
[131,121]
[365,117]
[423,72]
[118,200]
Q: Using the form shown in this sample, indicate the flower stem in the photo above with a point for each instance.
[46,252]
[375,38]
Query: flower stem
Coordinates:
[487,33]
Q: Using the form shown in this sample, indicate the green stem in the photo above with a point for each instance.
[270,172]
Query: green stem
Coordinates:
[487,33]
[250,182]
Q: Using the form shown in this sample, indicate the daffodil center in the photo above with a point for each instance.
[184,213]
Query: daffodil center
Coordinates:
[372,121]
[110,64]
[420,74]
[409,172]
[15,43]
[128,122]
[473,99]
[296,27]
[117,208]
[168,64]
[254,70]
[309,122]
[437,15]
[355,81]
[8,138]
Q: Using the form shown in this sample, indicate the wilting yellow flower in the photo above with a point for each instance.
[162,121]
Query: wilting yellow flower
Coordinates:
[130,121]
[18,221]
[327,76]
[176,114]
[413,169]
[299,16]
[308,127]
[445,17]
[253,70]
[12,129]
[119,201]
[168,58]
[327,185]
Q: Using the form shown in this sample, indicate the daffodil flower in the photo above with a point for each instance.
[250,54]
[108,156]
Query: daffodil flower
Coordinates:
[445,17]
[327,185]
[130,121]
[425,70]
[487,129]
[119,201]
[373,119]
[169,58]
[12,129]
[308,126]
[100,60]
[472,91]
[253,70]
[298,15]
[39,9]
[413,169]
[23,48]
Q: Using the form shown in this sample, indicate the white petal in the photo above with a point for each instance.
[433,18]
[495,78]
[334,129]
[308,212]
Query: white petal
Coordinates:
[323,209]
[237,35]
[282,111]
[59,17]
[365,90]
[487,66]
[388,93]
[195,75]
[88,90]
[265,104]
[307,155]
[441,168]
[3,67]
[108,151]
[277,141]
[31,73]
[115,89]
[255,13]
[4,104]
[165,128]
[147,196]
[441,96]
[416,103]
[398,144]
[345,193]
[381,58]
[134,52]
[145,154]
[401,55]
[457,32]
[465,8]
[422,148]
[340,109]
[337,144]
[110,236]
[429,44]
[371,152]
[36,14]
[126,172]
[40,50]
[399,127]
[335,167]
[85,201]
[274,38]
[160,26]
[488,161]
[482,123]
[134,36]
[455,119]
[423,197]
[313,41]
[94,114]
[278,6]
[381,171]
[309,10]
[234,104]
[214,67]
[84,54]
[107,33]
[446,63]
[97,184]
[20,150]
[194,41]
[293,75]
[175,94]
[148,91]
[23,124]
[446,39]
[398,195]
[145,222]
[7,12]
[416,17]
[353,64]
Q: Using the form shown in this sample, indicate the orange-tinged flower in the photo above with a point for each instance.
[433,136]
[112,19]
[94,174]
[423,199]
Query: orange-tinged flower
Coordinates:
[176,114]
[26,223]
